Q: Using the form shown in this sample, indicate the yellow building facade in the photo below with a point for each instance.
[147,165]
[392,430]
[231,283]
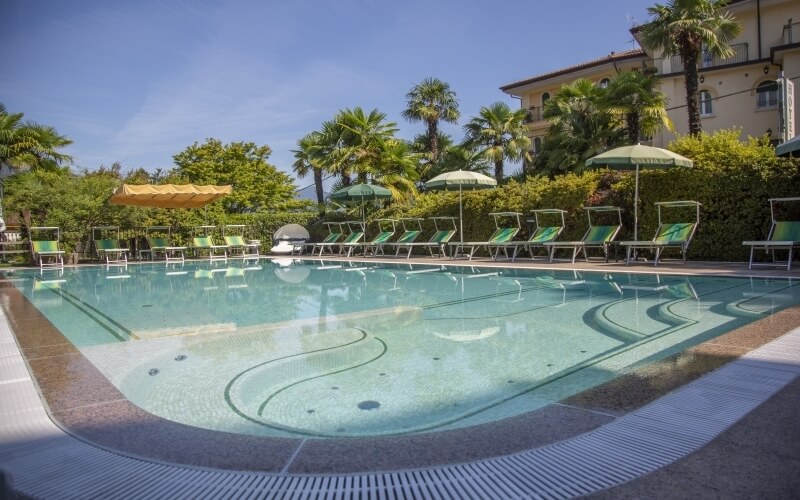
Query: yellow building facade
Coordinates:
[741,91]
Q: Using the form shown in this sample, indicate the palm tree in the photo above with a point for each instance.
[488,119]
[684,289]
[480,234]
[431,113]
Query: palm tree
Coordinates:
[29,145]
[396,170]
[686,28]
[362,139]
[633,95]
[581,126]
[308,159]
[460,157]
[431,101]
[499,134]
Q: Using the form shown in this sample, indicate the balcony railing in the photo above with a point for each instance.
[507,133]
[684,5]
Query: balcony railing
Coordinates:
[534,114]
[706,60]
[791,32]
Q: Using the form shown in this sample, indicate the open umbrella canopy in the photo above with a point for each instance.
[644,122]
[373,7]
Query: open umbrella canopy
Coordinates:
[461,180]
[635,157]
[789,148]
[361,192]
[167,195]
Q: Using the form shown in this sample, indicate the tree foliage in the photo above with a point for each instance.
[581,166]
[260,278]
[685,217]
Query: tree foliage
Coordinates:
[499,134]
[582,125]
[432,101]
[633,97]
[687,28]
[257,185]
[587,119]
[29,145]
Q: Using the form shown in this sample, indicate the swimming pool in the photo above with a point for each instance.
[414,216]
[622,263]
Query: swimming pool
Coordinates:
[330,349]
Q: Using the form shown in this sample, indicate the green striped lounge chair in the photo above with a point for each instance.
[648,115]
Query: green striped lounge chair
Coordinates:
[597,236]
[328,243]
[160,245]
[405,240]
[540,236]
[436,245]
[352,241]
[668,235]
[110,250]
[783,235]
[677,235]
[204,246]
[241,248]
[47,254]
[500,236]
[375,246]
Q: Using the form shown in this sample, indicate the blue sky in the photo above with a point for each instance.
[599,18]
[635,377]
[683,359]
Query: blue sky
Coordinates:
[138,81]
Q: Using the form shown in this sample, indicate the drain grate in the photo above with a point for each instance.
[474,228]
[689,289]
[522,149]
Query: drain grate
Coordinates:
[46,463]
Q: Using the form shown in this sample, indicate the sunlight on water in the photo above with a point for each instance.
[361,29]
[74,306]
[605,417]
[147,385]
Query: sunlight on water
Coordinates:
[332,349]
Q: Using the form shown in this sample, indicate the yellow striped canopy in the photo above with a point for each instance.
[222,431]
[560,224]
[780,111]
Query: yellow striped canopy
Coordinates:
[167,195]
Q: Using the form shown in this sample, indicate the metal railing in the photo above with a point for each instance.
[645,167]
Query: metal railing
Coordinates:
[740,55]
[535,114]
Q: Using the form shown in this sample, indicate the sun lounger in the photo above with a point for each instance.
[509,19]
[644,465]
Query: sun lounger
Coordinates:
[436,245]
[233,234]
[410,233]
[111,250]
[668,235]
[46,253]
[241,248]
[375,245]
[161,246]
[205,245]
[783,235]
[353,240]
[501,235]
[595,237]
[335,232]
[107,246]
[541,235]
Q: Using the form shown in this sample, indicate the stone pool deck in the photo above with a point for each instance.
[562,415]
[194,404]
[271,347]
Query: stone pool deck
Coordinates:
[758,456]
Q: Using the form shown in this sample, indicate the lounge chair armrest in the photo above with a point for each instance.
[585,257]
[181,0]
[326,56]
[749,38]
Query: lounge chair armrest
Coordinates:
[770,243]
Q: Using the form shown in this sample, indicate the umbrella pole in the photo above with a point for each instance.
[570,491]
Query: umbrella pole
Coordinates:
[460,216]
[636,207]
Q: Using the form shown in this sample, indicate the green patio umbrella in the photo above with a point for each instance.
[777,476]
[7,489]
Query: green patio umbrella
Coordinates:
[461,180]
[789,148]
[361,193]
[635,157]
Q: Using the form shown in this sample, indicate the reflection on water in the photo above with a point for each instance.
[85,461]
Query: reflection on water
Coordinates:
[322,349]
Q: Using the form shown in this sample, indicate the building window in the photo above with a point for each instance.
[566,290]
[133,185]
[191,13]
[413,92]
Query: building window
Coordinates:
[545,98]
[706,106]
[604,83]
[767,94]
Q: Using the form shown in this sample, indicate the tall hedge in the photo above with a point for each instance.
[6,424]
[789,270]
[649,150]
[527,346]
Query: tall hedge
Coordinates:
[732,179]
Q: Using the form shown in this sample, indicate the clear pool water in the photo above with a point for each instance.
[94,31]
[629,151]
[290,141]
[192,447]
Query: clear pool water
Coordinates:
[326,349]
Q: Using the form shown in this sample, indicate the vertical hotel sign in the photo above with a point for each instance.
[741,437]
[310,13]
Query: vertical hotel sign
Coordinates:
[786,93]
